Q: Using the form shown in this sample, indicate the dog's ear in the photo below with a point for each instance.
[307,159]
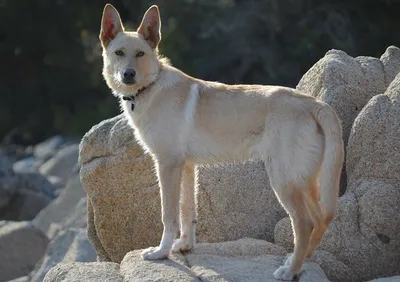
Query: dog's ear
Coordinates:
[111,25]
[150,26]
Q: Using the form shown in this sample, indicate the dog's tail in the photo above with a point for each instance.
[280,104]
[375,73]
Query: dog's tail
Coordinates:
[332,161]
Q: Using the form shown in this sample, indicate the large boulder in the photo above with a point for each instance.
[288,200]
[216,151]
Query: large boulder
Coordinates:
[70,245]
[241,260]
[21,247]
[123,195]
[347,84]
[365,234]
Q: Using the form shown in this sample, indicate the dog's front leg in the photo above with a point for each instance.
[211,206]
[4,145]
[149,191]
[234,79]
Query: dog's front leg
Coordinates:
[169,175]
[188,212]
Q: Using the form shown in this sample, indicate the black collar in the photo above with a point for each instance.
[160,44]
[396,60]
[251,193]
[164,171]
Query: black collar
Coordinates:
[131,98]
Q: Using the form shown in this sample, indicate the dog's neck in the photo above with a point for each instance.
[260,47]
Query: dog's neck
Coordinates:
[132,97]
[140,90]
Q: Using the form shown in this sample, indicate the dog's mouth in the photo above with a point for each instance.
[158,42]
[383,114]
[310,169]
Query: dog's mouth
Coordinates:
[128,82]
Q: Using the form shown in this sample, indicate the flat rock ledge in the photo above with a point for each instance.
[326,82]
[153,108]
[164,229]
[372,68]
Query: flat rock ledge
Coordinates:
[241,260]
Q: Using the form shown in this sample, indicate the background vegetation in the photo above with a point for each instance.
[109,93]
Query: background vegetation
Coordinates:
[50,75]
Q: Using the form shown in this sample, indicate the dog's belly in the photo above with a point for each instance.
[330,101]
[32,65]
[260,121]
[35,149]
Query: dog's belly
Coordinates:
[206,149]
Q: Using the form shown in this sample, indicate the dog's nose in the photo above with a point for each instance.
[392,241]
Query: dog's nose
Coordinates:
[129,74]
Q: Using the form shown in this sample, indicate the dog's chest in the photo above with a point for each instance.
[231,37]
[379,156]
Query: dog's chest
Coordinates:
[153,130]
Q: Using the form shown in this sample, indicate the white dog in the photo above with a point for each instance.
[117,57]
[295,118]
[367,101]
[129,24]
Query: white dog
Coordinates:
[183,121]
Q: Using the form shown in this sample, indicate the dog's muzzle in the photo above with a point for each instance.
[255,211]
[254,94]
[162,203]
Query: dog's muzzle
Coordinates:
[129,76]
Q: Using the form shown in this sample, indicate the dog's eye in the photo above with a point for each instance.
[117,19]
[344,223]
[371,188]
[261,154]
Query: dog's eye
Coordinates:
[119,53]
[140,54]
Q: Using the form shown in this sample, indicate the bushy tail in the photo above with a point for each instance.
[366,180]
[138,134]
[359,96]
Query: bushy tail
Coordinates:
[332,161]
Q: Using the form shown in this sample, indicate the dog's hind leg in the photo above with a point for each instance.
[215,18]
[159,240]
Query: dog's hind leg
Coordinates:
[188,211]
[169,175]
[319,222]
[292,199]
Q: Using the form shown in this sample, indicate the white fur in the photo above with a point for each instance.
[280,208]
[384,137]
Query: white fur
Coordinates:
[183,121]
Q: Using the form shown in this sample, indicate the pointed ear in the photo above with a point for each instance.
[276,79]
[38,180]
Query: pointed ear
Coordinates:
[151,26]
[111,25]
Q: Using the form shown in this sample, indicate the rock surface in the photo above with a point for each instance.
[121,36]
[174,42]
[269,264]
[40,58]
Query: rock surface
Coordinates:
[21,246]
[365,234]
[242,260]
[123,195]
[24,205]
[62,163]
[36,182]
[88,272]
[49,147]
[61,207]
[236,201]
[347,84]
[70,245]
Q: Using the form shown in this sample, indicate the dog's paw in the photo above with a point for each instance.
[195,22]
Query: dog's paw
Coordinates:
[283,273]
[182,245]
[154,253]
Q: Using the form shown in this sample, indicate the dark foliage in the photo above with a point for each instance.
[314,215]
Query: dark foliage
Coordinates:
[50,75]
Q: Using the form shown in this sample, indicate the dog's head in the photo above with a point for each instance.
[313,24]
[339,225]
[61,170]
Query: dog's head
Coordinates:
[130,58]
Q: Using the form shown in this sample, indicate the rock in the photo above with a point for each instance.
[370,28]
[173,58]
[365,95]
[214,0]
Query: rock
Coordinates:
[334,269]
[21,246]
[62,163]
[8,182]
[88,272]
[49,147]
[341,81]
[56,182]
[70,245]
[375,140]
[283,234]
[24,205]
[391,63]
[36,182]
[78,217]
[261,268]
[123,195]
[365,234]
[27,165]
[236,201]
[241,247]
[347,84]
[135,269]
[242,260]
[61,207]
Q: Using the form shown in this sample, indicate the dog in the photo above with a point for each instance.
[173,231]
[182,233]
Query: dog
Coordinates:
[182,122]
